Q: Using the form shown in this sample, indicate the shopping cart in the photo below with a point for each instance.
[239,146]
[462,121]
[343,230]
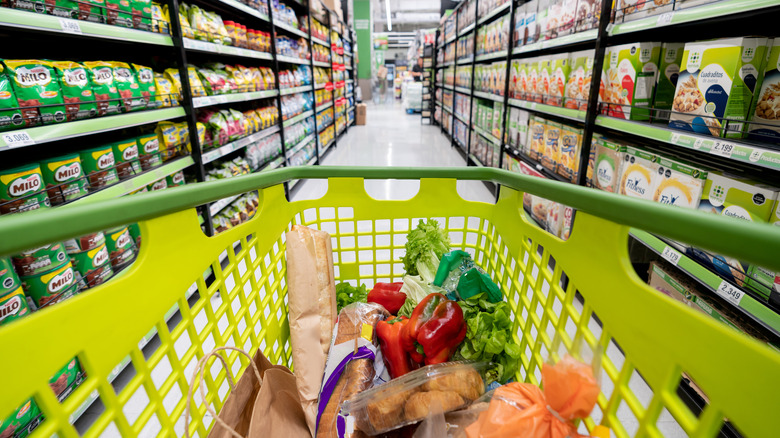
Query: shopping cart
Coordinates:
[243,302]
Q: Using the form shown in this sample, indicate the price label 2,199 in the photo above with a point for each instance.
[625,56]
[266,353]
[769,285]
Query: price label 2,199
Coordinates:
[723,149]
[730,292]
[17,139]
[671,255]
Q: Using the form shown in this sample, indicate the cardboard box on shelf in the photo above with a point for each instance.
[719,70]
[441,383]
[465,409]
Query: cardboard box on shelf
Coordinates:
[536,129]
[360,114]
[594,144]
[639,174]
[765,110]
[607,167]
[627,10]
[578,82]
[559,75]
[668,72]
[628,79]
[569,152]
[716,86]
[679,184]
[552,136]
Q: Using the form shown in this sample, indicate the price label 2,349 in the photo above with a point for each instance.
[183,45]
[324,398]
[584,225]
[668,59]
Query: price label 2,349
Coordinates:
[17,139]
[671,255]
[730,292]
[723,149]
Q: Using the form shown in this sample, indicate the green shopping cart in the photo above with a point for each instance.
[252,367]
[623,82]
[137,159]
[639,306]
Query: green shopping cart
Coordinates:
[243,302]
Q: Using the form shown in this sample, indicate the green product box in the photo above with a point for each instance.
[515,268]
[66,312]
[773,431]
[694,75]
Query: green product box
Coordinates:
[560,66]
[22,421]
[98,164]
[628,79]
[13,306]
[607,164]
[498,116]
[37,90]
[578,81]
[67,379]
[21,189]
[639,173]
[716,86]
[9,281]
[64,179]
[668,72]
[542,80]
[765,110]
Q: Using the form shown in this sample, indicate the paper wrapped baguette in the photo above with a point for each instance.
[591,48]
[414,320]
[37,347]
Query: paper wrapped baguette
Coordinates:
[312,311]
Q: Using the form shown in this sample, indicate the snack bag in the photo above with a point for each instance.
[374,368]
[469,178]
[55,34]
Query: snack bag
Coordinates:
[198,22]
[235,124]
[62,8]
[127,85]
[10,115]
[119,13]
[195,84]
[101,77]
[161,23]
[212,82]
[145,78]
[172,75]
[91,10]
[78,96]
[237,74]
[167,134]
[35,84]
[142,14]
[219,34]
[165,92]
[186,29]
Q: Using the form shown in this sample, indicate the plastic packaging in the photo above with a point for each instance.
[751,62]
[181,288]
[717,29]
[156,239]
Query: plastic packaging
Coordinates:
[462,278]
[411,398]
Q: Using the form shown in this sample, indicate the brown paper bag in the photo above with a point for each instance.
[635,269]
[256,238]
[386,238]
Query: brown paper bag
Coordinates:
[264,402]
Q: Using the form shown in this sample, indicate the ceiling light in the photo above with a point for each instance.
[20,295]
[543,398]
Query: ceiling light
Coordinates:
[387,8]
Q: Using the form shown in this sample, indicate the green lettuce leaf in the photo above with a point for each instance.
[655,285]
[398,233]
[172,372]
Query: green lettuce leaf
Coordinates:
[347,294]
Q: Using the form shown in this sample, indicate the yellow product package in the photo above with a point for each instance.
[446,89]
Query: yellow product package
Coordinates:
[172,75]
[161,22]
[165,92]
[195,84]
[201,133]
[168,134]
[186,29]
[249,78]
[238,76]
[536,129]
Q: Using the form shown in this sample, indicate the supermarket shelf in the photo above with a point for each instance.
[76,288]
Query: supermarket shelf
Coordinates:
[137,182]
[466,29]
[301,144]
[475,160]
[245,9]
[448,87]
[326,148]
[319,87]
[576,38]
[204,46]
[293,90]
[487,135]
[271,165]
[238,144]
[731,294]
[489,96]
[497,11]
[220,205]
[298,118]
[463,90]
[535,164]
[199,102]
[320,42]
[439,85]
[454,37]
[447,108]
[464,60]
[291,29]
[48,23]
[62,131]
[445,64]
[461,118]
[321,64]
[324,107]
[291,60]
[704,12]
[568,113]
[491,56]
[732,149]
[322,128]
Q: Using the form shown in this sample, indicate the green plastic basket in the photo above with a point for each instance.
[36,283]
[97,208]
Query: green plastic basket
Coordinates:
[245,305]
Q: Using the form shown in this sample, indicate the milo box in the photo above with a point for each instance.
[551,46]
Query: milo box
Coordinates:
[64,179]
[149,151]
[176,179]
[37,90]
[145,77]
[51,287]
[126,158]
[87,261]
[128,88]
[13,306]
[121,246]
[68,378]
[98,164]
[76,92]
[101,78]
[157,185]
[10,115]
[21,189]
[85,243]
[38,260]
[9,281]
[22,421]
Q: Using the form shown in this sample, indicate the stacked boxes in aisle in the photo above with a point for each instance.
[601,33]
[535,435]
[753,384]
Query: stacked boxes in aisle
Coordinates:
[558,80]
[549,19]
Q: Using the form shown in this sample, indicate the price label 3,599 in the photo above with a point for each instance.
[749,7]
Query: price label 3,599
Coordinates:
[17,139]
[730,292]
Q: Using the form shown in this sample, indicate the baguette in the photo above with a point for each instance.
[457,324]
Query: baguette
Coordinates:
[312,311]
[358,374]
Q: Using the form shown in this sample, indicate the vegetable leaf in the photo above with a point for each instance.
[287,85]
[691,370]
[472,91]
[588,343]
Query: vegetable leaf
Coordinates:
[425,246]
[347,294]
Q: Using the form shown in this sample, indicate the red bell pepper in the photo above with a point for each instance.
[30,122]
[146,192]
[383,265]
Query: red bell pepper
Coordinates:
[389,334]
[389,295]
[434,331]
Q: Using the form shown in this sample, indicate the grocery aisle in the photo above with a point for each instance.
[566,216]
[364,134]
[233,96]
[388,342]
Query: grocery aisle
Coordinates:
[391,137]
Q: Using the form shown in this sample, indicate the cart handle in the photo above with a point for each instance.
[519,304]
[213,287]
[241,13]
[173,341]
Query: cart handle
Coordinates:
[752,242]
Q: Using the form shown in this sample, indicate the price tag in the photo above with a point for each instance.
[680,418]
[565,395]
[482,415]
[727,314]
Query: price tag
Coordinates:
[664,18]
[533,106]
[17,139]
[70,26]
[671,255]
[722,148]
[730,292]
[211,156]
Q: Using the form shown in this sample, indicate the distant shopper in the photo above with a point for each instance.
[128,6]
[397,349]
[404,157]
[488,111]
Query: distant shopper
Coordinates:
[417,70]
[381,77]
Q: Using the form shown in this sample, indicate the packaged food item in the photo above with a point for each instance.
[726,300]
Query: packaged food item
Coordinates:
[21,189]
[128,88]
[64,179]
[76,92]
[126,158]
[531,22]
[639,174]
[135,232]
[38,260]
[166,94]
[119,13]
[668,73]
[37,91]
[559,76]
[142,14]
[536,129]
[172,75]
[149,150]
[628,79]
[569,152]
[679,184]
[578,83]
[95,277]
[543,80]
[607,165]
[121,247]
[157,185]
[627,10]
[145,80]
[13,305]
[594,143]
[552,136]
[52,286]
[10,115]
[98,164]
[413,396]
[765,110]
[68,378]
[196,86]
[91,10]
[60,8]
[86,262]
[85,243]
[716,86]
[22,421]
[588,15]
[9,281]
[161,22]
[539,209]
[101,78]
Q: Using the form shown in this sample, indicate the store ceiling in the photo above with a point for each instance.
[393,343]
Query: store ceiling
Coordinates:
[406,15]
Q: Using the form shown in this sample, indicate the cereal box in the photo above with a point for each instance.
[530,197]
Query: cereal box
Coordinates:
[627,10]
[607,167]
[533,78]
[716,86]
[628,79]
[37,90]
[519,27]
[550,18]
[498,116]
[639,174]
[679,184]
[588,14]
[766,106]
[566,17]
[532,22]
[569,152]
[552,136]
[559,75]
[668,72]
[543,80]
[536,129]
[518,128]
[594,143]
[578,82]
